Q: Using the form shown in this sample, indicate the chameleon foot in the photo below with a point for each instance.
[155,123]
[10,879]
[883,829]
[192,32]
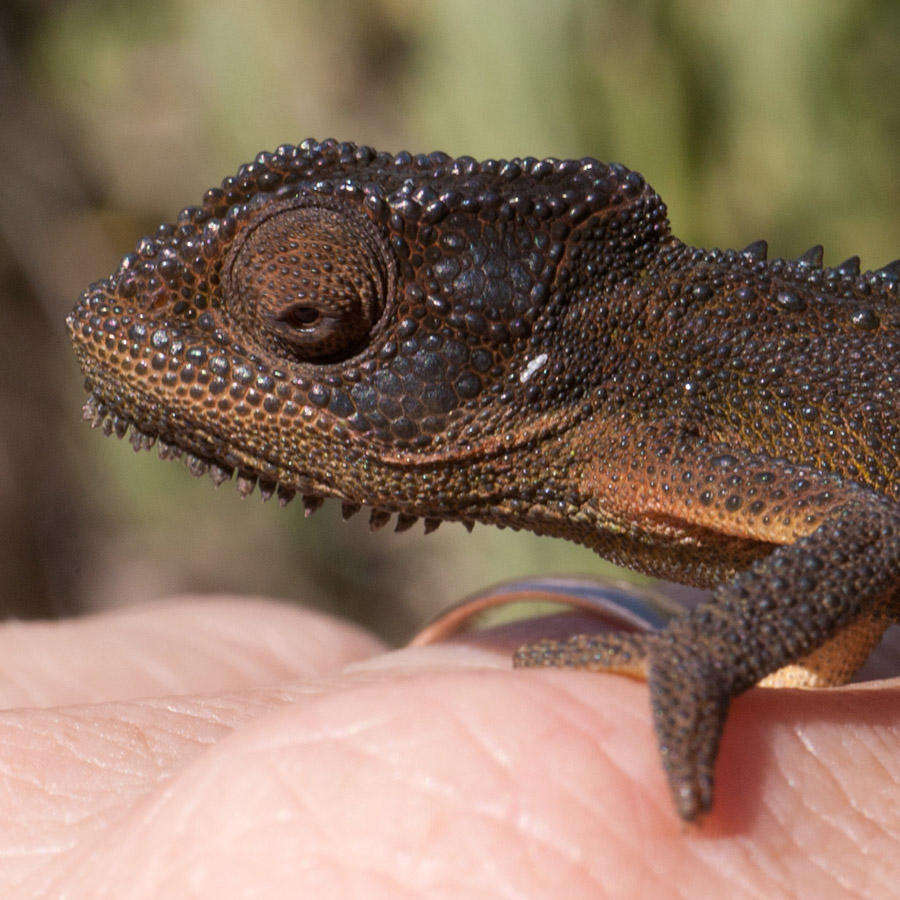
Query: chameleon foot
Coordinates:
[692,714]
[622,652]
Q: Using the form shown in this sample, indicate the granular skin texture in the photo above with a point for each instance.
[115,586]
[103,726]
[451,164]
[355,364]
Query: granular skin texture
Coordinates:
[524,343]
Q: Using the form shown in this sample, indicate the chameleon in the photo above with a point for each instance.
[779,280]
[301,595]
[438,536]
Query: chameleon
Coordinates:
[525,343]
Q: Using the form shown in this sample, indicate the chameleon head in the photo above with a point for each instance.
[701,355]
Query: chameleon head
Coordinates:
[339,322]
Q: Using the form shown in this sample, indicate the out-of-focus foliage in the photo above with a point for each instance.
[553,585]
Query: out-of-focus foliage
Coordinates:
[752,118]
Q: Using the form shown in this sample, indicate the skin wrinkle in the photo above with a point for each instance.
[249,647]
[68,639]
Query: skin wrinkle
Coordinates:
[500,814]
[832,777]
[832,874]
[571,714]
[624,840]
[828,872]
[718,868]
[583,861]
[731,871]
[789,836]
[481,737]
[54,789]
[879,752]
[881,760]
[807,799]
[890,838]
[839,786]
[494,872]
[119,729]
[19,778]
[576,722]
[766,859]
[840,825]
[189,716]
[134,715]
[173,731]
[120,735]
[795,835]
[239,837]
[334,837]
[430,786]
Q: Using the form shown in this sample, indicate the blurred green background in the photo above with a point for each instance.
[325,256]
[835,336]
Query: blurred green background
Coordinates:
[754,118]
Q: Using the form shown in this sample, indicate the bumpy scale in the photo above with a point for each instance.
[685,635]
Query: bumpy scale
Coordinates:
[525,343]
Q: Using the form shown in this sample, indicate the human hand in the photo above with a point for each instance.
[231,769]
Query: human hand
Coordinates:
[281,752]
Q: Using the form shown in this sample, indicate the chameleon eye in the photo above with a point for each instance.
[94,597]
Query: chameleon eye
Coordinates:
[299,316]
[314,280]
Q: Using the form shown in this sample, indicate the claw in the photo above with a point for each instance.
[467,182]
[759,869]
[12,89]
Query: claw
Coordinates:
[349,509]
[266,490]
[285,495]
[431,524]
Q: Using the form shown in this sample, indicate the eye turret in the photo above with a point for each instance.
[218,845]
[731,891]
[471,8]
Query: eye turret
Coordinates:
[314,278]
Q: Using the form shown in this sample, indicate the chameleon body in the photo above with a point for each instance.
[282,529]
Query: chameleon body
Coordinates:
[525,343]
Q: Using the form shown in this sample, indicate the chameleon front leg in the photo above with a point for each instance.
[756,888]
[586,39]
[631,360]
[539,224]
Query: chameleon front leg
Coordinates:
[810,611]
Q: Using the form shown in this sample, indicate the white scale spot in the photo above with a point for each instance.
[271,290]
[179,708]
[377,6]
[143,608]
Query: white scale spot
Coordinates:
[532,366]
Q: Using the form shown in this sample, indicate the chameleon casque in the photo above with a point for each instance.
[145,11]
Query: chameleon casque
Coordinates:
[525,343]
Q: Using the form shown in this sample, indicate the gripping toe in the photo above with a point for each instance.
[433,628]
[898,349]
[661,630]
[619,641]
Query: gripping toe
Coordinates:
[623,652]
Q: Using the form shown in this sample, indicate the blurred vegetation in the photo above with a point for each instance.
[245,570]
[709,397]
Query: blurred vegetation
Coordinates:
[751,118]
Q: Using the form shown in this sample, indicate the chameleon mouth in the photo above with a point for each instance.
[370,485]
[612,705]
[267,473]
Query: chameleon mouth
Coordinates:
[100,414]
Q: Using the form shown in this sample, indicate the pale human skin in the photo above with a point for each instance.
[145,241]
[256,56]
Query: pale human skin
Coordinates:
[284,753]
